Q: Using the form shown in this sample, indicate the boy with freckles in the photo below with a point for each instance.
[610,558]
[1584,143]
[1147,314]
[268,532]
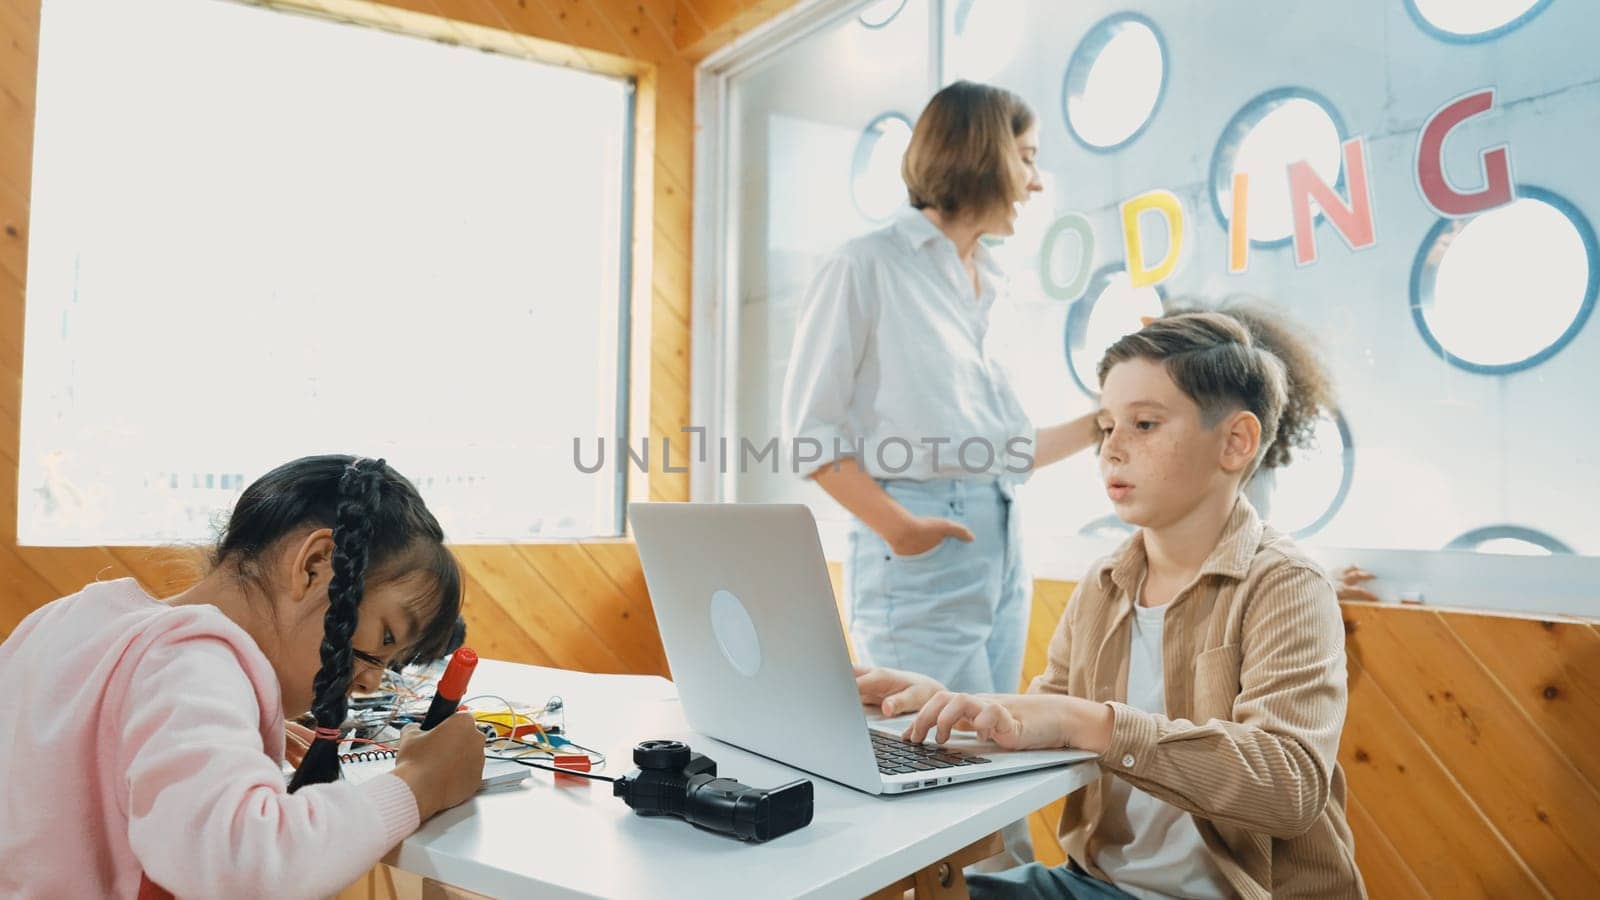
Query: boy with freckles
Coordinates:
[1203,660]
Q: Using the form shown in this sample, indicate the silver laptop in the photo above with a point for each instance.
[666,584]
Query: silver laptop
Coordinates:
[748,619]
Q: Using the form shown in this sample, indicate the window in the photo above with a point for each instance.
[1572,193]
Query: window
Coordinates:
[1473,20]
[1310,490]
[1114,81]
[880,12]
[816,134]
[1425,445]
[1111,309]
[875,182]
[981,38]
[1539,250]
[342,255]
[1269,133]
[1512,540]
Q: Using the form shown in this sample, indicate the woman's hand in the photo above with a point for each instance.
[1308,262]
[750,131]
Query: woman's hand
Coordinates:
[893,691]
[1054,443]
[920,534]
[1348,585]
[1016,721]
[860,493]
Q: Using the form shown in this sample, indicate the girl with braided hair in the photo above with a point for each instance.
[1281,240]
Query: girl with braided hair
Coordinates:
[145,738]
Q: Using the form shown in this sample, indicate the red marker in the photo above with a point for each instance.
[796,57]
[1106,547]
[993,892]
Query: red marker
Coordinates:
[452,687]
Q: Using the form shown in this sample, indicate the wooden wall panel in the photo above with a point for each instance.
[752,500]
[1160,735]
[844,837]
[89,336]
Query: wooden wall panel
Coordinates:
[1417,804]
[515,583]
[1549,813]
[1386,873]
[705,25]
[1552,672]
[1049,605]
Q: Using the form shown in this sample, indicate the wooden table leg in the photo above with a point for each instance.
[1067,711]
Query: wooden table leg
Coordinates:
[386,883]
[944,879]
[438,890]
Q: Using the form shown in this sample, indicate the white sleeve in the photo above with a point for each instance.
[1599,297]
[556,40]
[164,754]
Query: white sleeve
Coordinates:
[830,341]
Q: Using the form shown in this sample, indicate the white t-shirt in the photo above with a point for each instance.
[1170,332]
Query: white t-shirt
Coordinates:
[1166,857]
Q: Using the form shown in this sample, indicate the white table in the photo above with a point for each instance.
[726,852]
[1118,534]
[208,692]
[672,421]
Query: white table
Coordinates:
[556,838]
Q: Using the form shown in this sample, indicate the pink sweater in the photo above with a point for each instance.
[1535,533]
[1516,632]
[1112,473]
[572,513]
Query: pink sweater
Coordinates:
[137,737]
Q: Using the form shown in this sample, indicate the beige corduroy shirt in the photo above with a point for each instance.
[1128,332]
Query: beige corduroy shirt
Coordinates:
[1254,664]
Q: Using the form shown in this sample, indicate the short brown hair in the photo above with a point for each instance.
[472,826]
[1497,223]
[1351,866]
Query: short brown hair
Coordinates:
[1309,384]
[1212,358]
[963,155]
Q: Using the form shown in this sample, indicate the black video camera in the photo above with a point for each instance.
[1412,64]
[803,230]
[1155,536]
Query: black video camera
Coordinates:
[672,781]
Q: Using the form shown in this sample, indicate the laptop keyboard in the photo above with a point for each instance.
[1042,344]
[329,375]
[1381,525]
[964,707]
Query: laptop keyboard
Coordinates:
[897,757]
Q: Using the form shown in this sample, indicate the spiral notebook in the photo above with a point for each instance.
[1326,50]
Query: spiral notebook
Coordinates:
[364,765]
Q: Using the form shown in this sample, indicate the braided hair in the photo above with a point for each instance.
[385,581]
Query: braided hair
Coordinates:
[382,531]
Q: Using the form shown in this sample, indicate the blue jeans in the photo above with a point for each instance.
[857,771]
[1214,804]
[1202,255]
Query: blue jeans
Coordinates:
[958,612]
[1038,880]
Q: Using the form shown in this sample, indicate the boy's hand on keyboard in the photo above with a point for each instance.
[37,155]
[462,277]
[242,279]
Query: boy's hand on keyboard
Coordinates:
[1014,721]
[1017,721]
[893,691]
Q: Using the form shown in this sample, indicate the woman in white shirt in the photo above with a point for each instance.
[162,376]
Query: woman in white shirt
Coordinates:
[895,404]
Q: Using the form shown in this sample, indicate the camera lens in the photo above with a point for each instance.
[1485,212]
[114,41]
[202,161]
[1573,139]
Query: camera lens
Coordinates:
[661,755]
